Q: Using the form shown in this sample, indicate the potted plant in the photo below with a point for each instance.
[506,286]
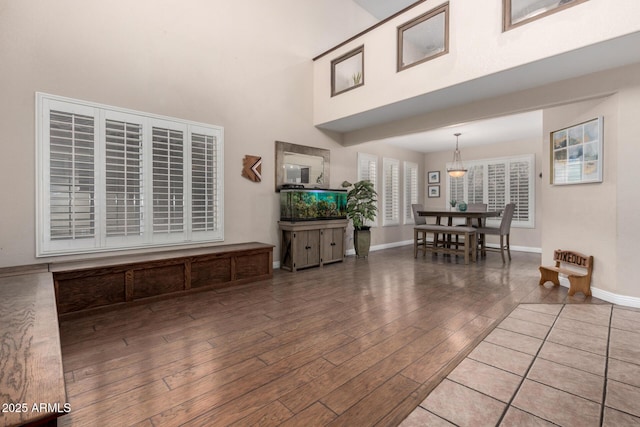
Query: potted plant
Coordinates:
[361,207]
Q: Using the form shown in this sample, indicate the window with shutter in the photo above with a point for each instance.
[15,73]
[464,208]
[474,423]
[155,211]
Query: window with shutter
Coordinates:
[368,170]
[71,176]
[204,200]
[123,174]
[112,179]
[496,186]
[497,182]
[410,190]
[168,180]
[475,183]
[391,192]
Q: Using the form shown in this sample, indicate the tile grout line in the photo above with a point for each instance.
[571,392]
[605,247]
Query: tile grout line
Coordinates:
[524,376]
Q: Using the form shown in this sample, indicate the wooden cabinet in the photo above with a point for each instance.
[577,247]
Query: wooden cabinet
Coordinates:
[312,243]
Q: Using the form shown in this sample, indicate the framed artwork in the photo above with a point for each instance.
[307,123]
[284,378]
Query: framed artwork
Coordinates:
[347,71]
[576,153]
[433,191]
[518,12]
[423,38]
[433,177]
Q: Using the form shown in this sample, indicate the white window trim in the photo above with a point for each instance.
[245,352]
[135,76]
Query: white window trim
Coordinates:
[530,159]
[411,184]
[100,243]
[391,166]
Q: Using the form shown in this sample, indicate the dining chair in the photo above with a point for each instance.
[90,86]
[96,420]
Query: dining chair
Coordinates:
[503,231]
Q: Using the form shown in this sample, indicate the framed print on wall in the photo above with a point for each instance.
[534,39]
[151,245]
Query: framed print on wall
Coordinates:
[433,177]
[434,191]
[576,153]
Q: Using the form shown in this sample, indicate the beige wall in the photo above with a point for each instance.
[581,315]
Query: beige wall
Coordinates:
[583,217]
[242,65]
[525,238]
[600,219]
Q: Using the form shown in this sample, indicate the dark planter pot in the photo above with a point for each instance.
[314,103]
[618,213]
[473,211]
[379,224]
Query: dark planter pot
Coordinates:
[362,241]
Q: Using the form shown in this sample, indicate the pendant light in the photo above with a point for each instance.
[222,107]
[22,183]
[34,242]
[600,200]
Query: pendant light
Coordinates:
[457,169]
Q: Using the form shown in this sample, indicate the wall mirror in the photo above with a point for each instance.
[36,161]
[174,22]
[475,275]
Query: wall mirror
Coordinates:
[301,165]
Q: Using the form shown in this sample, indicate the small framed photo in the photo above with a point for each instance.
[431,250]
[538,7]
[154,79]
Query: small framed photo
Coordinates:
[433,177]
[576,153]
[434,191]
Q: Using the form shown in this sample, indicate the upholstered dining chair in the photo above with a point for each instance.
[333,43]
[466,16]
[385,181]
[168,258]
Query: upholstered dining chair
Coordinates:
[503,231]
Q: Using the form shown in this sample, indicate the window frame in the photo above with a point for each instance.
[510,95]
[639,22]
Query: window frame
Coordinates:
[443,8]
[529,159]
[360,69]
[506,14]
[145,237]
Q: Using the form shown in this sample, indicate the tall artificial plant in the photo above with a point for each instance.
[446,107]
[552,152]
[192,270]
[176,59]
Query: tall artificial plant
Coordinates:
[361,203]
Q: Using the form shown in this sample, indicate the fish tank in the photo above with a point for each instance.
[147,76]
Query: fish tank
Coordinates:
[312,204]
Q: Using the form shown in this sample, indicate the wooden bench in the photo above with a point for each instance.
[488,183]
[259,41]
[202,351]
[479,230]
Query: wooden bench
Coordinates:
[579,281]
[467,248]
[108,282]
[32,390]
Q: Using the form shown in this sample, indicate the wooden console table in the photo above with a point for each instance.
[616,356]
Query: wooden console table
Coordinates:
[32,390]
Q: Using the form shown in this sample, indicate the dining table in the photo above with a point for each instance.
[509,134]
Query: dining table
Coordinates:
[469,216]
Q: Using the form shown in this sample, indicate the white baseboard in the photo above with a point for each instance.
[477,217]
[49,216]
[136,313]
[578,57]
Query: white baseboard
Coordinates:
[383,246]
[607,296]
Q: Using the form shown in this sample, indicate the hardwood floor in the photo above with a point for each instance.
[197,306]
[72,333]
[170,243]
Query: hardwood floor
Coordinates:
[356,343]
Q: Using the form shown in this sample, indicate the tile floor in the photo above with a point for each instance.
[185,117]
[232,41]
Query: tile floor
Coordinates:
[545,365]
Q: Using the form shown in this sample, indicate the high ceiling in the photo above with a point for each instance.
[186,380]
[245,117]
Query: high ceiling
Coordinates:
[526,125]
[382,9]
[611,54]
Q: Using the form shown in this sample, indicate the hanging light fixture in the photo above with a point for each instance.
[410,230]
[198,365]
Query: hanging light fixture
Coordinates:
[457,169]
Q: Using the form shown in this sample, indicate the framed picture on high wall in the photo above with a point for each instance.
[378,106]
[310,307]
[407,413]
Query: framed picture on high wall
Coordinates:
[434,191]
[433,177]
[576,153]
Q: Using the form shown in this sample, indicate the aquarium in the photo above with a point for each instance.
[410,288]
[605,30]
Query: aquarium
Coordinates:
[312,204]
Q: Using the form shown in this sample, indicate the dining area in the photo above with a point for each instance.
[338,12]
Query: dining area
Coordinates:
[462,232]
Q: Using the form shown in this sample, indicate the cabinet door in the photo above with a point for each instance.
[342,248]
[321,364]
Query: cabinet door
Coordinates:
[312,247]
[307,248]
[332,244]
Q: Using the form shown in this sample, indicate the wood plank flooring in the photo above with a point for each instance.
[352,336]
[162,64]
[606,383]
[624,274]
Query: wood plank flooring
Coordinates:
[358,343]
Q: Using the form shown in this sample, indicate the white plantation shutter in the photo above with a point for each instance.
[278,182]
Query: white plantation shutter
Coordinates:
[497,182]
[168,180]
[456,189]
[410,190]
[111,179]
[71,176]
[368,170]
[391,192]
[475,184]
[204,200]
[519,189]
[123,174]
